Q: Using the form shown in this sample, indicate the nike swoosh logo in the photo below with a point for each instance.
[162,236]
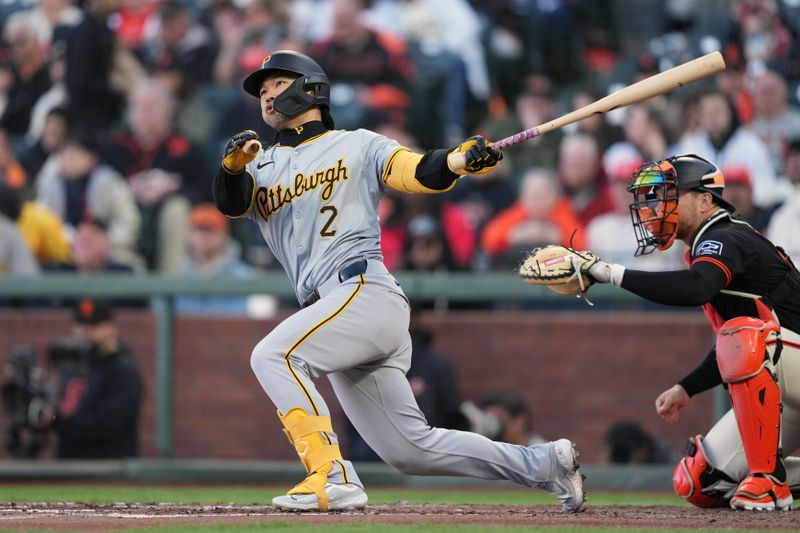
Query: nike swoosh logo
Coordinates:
[262,165]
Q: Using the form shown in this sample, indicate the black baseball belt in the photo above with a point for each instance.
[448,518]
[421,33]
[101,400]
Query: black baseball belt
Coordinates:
[353,269]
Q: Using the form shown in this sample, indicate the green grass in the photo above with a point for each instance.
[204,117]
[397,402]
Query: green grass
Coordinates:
[263,495]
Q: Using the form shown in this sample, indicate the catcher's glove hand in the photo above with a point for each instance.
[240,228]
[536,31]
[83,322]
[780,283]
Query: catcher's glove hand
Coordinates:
[561,269]
[481,157]
[236,157]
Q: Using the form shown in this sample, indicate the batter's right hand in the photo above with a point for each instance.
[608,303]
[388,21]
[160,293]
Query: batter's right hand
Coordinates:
[235,157]
[671,402]
[480,156]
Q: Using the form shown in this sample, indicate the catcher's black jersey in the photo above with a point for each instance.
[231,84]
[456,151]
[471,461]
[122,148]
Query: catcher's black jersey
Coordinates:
[750,264]
[730,264]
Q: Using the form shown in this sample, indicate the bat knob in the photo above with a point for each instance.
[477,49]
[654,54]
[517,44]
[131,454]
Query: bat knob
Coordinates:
[252,147]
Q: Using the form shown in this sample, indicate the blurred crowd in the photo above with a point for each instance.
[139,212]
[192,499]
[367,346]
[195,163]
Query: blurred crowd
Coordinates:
[113,115]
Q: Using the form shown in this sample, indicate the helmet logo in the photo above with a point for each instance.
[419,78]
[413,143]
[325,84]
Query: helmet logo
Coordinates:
[266,60]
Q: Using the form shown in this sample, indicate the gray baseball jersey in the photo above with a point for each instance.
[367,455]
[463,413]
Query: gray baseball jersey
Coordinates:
[300,198]
[317,207]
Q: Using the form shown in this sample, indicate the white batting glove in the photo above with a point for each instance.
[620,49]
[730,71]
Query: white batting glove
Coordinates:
[603,272]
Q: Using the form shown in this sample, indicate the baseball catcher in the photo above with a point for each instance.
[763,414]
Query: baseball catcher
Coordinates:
[750,291]
[314,194]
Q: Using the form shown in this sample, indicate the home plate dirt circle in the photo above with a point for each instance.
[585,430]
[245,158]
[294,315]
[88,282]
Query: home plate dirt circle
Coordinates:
[105,517]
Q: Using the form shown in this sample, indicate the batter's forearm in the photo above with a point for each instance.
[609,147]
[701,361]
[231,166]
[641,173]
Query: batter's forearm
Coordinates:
[233,193]
[410,172]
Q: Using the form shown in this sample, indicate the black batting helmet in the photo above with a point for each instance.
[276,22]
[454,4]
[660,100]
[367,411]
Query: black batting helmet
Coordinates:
[698,174]
[295,99]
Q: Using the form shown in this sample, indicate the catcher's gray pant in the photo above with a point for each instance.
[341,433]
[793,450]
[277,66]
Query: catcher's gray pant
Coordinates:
[723,444]
[357,335]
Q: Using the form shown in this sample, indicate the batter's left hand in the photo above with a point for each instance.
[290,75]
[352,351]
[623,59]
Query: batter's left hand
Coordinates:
[671,402]
[235,158]
[481,157]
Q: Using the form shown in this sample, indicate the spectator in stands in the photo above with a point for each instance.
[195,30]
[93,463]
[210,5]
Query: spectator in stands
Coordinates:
[48,144]
[455,226]
[515,416]
[54,99]
[48,15]
[76,184]
[542,215]
[629,443]
[12,172]
[260,26]
[739,193]
[164,169]
[212,255]
[91,250]
[482,196]
[535,105]
[684,123]
[735,82]
[29,76]
[42,230]
[97,416]
[426,247]
[645,137]
[371,69]
[723,140]
[596,126]
[135,19]
[766,40]
[180,45]
[393,229]
[446,49]
[581,176]
[16,257]
[775,120]
[609,235]
[785,221]
[91,58]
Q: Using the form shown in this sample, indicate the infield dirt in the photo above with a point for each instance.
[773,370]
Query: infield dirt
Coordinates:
[89,517]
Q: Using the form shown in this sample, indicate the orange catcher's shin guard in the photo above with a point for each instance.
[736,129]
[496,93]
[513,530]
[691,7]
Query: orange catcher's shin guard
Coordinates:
[745,366]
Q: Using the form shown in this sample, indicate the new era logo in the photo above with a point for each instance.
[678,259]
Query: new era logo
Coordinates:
[708,248]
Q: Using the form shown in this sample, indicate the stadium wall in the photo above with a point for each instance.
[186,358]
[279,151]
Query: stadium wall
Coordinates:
[579,372]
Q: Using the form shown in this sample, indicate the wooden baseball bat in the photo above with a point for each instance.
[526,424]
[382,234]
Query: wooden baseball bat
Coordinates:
[252,147]
[661,83]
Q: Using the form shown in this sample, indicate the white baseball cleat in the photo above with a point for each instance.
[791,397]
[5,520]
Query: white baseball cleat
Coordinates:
[343,497]
[568,485]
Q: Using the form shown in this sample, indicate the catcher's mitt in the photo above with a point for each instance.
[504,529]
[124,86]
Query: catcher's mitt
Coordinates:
[561,269]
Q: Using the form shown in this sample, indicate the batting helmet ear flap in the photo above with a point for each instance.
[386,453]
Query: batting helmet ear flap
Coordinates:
[327,118]
[294,99]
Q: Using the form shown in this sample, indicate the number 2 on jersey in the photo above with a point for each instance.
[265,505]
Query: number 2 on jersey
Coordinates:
[326,230]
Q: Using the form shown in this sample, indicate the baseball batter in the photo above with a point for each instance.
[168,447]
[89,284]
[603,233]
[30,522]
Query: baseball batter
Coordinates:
[750,291]
[314,194]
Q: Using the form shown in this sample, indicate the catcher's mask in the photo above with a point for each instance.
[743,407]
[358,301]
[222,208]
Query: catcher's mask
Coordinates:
[296,98]
[655,187]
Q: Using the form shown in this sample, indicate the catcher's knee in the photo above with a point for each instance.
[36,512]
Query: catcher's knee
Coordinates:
[696,481]
[742,348]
